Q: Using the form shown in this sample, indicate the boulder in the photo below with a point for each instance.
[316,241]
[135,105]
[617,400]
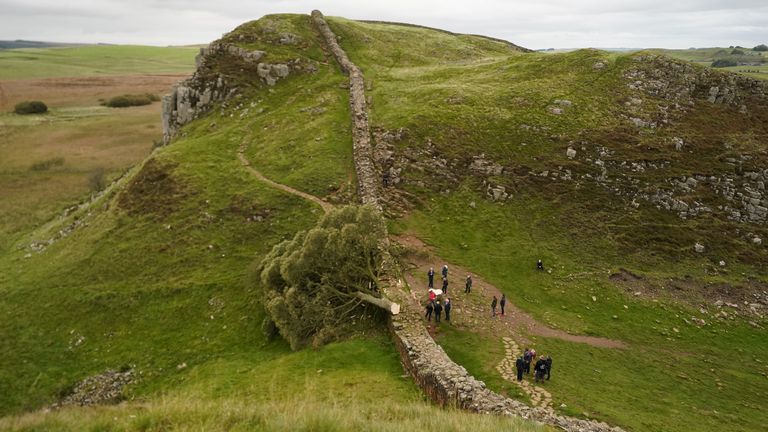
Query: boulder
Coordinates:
[698,247]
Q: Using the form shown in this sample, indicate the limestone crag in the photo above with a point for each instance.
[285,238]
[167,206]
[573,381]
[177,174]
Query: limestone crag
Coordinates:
[196,95]
[444,381]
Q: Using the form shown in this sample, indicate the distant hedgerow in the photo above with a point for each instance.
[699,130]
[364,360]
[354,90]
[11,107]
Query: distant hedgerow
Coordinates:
[724,63]
[131,100]
[30,107]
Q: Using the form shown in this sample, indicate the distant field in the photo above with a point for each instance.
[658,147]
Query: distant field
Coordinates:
[79,134]
[705,57]
[95,60]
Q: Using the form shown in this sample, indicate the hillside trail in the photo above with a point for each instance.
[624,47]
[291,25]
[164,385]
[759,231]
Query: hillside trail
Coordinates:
[327,207]
[473,312]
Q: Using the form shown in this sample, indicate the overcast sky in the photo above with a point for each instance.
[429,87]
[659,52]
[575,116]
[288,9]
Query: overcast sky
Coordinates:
[533,24]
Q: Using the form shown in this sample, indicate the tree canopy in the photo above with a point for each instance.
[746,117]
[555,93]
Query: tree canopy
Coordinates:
[318,280]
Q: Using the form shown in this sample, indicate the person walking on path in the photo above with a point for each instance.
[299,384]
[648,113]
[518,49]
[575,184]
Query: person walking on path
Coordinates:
[438,309]
[493,306]
[447,308]
[445,285]
[468,285]
[428,315]
[548,361]
[445,271]
[431,277]
[502,303]
[520,366]
[527,359]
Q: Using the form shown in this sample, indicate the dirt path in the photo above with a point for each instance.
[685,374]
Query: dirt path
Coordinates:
[540,398]
[473,311]
[247,164]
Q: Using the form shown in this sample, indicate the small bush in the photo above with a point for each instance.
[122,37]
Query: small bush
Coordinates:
[131,100]
[761,47]
[737,52]
[97,180]
[47,164]
[30,107]
[724,63]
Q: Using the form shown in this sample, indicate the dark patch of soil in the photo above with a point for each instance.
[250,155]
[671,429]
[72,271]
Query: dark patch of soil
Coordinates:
[153,191]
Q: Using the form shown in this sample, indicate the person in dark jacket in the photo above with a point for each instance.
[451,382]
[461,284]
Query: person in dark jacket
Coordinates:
[468,285]
[502,303]
[430,307]
[493,306]
[445,271]
[527,357]
[447,308]
[438,310]
[431,277]
[539,370]
[539,265]
[445,285]
[520,366]
[548,361]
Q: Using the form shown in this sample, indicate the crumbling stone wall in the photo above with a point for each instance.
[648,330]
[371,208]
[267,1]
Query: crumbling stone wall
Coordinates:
[444,381]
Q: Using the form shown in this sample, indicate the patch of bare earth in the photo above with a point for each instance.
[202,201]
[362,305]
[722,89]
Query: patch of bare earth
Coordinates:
[473,311]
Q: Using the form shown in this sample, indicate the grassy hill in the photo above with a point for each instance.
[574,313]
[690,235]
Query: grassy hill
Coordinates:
[155,276]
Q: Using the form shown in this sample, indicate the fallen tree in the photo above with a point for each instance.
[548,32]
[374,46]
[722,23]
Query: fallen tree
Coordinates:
[323,278]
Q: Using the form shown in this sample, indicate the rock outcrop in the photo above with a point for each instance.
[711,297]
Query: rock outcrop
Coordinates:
[196,95]
[99,389]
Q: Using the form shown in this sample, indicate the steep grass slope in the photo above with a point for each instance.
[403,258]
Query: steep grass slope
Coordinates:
[475,140]
[153,275]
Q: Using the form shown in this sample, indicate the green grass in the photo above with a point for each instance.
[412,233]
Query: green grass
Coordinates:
[705,57]
[94,60]
[457,99]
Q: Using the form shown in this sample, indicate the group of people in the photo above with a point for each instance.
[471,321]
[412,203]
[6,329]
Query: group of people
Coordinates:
[434,305]
[541,369]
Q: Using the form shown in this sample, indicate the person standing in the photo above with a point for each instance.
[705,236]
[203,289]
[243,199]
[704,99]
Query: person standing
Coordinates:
[445,285]
[539,265]
[520,366]
[447,308]
[539,370]
[502,303]
[445,271]
[527,359]
[431,277]
[548,361]
[468,285]
[493,306]
[428,315]
[438,310]
[432,295]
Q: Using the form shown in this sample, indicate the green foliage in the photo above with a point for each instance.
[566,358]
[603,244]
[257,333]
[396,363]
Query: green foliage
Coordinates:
[737,51]
[47,164]
[310,281]
[719,63]
[30,107]
[129,100]
[760,48]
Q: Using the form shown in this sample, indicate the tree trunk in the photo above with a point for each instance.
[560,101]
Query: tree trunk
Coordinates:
[383,303]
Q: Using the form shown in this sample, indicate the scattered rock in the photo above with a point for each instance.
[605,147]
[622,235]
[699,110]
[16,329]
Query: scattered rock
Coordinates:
[570,153]
[698,247]
[98,389]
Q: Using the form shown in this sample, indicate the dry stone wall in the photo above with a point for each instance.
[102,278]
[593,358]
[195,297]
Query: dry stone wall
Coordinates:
[444,381]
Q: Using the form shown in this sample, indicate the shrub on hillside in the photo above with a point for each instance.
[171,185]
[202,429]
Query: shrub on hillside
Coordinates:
[47,164]
[97,180]
[724,63]
[30,107]
[737,52]
[761,47]
[125,101]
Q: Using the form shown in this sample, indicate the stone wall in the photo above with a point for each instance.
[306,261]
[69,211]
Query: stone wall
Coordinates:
[368,177]
[444,381]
